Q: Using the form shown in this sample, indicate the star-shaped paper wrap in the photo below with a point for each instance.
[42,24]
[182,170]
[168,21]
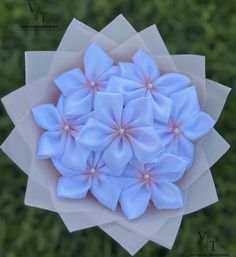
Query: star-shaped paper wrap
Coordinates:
[121,42]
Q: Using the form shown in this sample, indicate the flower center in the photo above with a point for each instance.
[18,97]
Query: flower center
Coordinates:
[92,84]
[121,131]
[92,171]
[176,131]
[66,127]
[146,176]
[149,85]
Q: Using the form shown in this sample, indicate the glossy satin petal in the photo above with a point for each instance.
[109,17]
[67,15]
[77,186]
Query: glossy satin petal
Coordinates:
[145,142]
[75,187]
[47,117]
[96,62]
[197,126]
[129,88]
[112,71]
[166,195]
[108,108]
[185,103]
[165,133]
[51,145]
[65,171]
[134,200]
[78,103]
[117,155]
[147,65]
[75,155]
[71,81]
[130,71]
[170,83]
[169,167]
[95,136]
[162,107]
[138,113]
[105,192]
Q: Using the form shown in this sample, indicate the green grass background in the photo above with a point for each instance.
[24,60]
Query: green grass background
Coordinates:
[188,26]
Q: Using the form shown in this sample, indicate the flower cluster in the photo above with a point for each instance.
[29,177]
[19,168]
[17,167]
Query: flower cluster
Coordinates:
[125,133]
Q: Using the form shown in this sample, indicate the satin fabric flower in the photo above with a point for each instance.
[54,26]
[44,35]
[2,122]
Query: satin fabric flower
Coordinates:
[121,132]
[80,87]
[58,141]
[142,78]
[95,177]
[155,182]
[187,124]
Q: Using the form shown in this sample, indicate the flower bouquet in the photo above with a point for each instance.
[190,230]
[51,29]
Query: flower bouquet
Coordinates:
[115,132]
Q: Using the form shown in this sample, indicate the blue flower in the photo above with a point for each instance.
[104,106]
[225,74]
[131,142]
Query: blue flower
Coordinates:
[187,124]
[95,177]
[121,132]
[142,78]
[80,87]
[152,181]
[58,141]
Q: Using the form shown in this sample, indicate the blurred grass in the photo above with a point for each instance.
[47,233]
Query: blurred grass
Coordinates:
[188,26]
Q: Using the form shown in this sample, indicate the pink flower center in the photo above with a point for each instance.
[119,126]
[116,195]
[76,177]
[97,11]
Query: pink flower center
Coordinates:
[149,86]
[92,171]
[92,84]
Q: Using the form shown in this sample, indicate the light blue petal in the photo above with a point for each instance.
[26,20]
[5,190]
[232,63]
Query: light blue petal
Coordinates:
[166,195]
[63,170]
[170,83]
[96,62]
[169,167]
[146,65]
[60,105]
[117,155]
[108,108]
[181,147]
[185,104]
[95,136]
[105,192]
[197,126]
[75,187]
[130,71]
[129,88]
[75,155]
[138,113]
[113,71]
[81,120]
[47,117]
[51,145]
[165,133]
[133,171]
[78,103]
[162,107]
[134,200]
[145,142]
[71,81]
